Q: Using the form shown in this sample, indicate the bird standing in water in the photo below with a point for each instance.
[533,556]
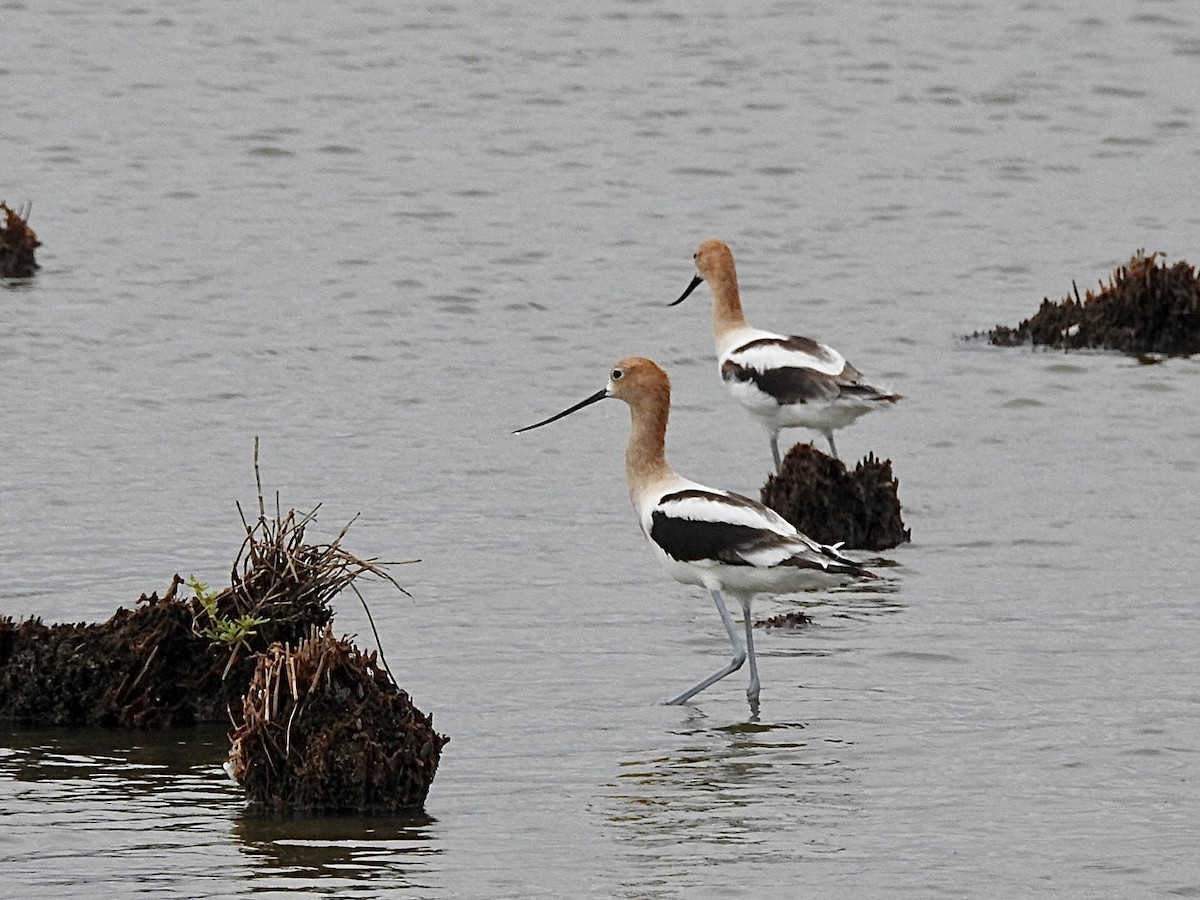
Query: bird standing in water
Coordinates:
[723,542]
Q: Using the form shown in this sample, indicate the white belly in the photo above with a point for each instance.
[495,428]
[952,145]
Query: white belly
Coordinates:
[750,580]
[823,415]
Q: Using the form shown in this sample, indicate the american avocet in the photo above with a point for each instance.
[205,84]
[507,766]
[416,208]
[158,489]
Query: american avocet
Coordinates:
[786,381]
[724,542]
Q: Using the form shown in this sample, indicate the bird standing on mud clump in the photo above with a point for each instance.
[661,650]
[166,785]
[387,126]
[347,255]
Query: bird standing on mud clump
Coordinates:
[787,382]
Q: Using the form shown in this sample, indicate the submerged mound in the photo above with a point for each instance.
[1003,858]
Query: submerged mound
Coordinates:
[1146,307]
[790,621]
[322,727]
[172,661]
[150,666]
[817,494]
[17,243]
[326,729]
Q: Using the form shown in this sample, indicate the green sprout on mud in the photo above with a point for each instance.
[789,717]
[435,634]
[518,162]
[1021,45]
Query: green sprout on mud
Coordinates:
[222,629]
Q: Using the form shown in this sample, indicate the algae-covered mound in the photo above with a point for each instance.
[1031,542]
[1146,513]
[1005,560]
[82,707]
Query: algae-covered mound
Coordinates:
[326,729]
[1146,307]
[817,494]
[17,243]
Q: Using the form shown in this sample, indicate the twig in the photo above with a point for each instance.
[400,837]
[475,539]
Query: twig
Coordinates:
[149,659]
[375,631]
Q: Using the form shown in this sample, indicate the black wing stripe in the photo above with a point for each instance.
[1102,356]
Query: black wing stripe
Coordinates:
[837,565]
[689,540]
[788,385]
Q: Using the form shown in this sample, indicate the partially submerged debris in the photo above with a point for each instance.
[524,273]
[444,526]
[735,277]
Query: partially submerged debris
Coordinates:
[792,621]
[326,729]
[145,667]
[17,243]
[173,661]
[319,728]
[859,509]
[1146,307]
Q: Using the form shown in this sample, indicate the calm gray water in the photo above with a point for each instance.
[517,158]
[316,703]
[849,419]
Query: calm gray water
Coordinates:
[380,236]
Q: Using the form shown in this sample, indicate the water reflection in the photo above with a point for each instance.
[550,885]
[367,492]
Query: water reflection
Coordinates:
[750,791]
[158,799]
[135,761]
[150,800]
[863,601]
[338,850]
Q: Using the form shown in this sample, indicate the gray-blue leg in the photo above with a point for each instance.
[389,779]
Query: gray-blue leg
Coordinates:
[739,657]
[752,689]
[832,445]
[775,450]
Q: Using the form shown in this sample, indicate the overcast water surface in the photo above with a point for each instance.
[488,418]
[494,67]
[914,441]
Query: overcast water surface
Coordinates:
[380,236]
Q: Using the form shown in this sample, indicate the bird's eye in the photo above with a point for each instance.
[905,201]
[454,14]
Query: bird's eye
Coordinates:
[696,255]
[616,374]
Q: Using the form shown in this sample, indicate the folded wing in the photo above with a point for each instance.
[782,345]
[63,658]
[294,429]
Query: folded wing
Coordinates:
[699,525]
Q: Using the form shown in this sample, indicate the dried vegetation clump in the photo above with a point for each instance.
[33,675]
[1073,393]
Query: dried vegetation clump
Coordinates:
[319,726]
[17,243]
[326,729]
[142,667]
[831,504]
[174,660]
[1146,308]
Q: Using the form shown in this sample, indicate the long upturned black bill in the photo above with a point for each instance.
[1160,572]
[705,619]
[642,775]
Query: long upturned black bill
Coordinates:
[691,287]
[599,395]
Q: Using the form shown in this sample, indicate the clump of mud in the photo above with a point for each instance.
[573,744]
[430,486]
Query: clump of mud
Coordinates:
[788,621]
[1146,308]
[325,729]
[859,508]
[17,243]
[148,666]
[176,660]
[318,728]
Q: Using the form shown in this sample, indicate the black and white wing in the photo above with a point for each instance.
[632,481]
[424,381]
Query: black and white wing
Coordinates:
[699,525]
[795,370]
